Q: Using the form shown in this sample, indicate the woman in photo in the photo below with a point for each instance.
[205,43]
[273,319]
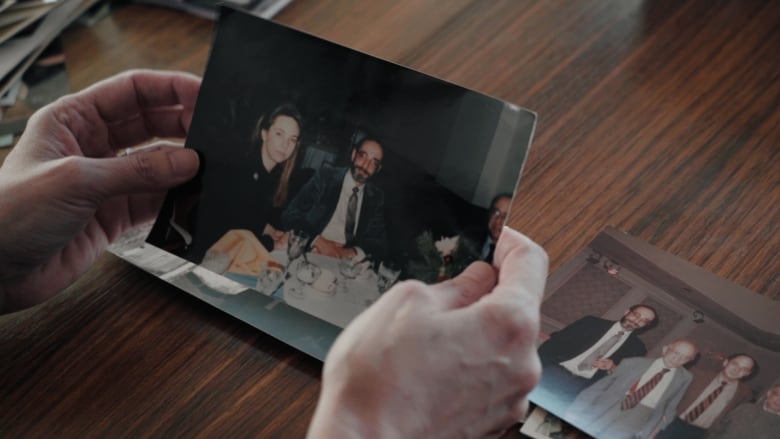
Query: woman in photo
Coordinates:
[243,191]
[278,135]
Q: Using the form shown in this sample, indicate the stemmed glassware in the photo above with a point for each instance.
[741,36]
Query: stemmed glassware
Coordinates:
[352,267]
[268,279]
[387,274]
[297,242]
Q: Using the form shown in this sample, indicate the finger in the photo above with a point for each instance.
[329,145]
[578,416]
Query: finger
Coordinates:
[144,207]
[145,171]
[518,409]
[128,109]
[157,146]
[118,214]
[503,415]
[522,267]
[136,91]
[466,288]
[162,122]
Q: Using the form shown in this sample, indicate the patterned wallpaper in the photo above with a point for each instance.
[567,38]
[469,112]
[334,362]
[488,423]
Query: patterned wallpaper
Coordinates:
[591,291]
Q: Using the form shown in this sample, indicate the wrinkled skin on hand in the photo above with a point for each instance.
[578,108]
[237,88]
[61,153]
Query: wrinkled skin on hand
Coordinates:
[64,192]
[455,359]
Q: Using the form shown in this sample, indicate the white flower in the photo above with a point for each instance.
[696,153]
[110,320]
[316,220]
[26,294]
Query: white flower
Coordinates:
[446,246]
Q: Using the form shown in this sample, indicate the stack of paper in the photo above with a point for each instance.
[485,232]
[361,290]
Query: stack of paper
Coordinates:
[27,28]
[209,8]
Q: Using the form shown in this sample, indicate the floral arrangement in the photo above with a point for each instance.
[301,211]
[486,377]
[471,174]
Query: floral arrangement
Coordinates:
[441,259]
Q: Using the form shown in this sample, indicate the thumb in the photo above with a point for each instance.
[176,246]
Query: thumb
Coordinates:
[149,170]
[477,280]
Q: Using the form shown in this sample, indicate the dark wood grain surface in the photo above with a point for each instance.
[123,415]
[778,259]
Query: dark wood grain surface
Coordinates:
[660,118]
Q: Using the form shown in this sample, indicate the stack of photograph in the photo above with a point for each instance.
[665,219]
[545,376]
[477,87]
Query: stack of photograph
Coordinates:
[32,70]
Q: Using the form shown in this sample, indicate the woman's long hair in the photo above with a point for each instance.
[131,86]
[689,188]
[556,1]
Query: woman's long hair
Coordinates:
[264,123]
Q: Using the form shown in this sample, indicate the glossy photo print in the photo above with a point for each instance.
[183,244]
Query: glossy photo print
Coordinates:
[638,343]
[329,175]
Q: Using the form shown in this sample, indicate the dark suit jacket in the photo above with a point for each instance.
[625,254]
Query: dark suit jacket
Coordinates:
[582,334]
[701,378]
[313,207]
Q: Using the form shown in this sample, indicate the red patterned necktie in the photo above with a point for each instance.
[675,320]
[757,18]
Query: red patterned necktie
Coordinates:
[704,404]
[633,398]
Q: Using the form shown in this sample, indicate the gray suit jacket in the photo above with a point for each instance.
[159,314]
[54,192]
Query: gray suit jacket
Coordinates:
[610,391]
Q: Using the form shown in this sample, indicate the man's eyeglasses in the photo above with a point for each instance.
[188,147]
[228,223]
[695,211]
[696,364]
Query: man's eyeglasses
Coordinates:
[364,156]
[497,214]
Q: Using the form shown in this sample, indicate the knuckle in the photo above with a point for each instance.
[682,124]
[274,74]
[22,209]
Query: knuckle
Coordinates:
[143,166]
[534,250]
[513,323]
[74,176]
[73,170]
[517,410]
[410,290]
[531,320]
[528,376]
[128,75]
[60,112]
[411,286]
[539,252]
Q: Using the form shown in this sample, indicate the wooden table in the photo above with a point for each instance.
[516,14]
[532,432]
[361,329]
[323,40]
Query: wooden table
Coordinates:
[658,117]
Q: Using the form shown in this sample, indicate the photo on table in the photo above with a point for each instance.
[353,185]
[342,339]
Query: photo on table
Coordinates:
[638,343]
[328,175]
[541,424]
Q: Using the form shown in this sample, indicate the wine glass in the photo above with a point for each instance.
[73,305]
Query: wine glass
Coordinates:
[386,276]
[268,279]
[352,267]
[297,242]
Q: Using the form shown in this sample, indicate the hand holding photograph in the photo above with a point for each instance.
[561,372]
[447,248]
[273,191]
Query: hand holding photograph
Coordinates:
[328,175]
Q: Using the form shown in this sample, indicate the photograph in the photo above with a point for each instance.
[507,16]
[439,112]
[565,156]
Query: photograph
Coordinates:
[328,175]
[541,424]
[304,332]
[636,343]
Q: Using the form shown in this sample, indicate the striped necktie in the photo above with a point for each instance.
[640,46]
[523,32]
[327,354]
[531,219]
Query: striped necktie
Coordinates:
[633,398]
[704,404]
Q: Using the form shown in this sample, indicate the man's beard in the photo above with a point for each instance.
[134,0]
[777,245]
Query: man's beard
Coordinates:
[624,322]
[360,178]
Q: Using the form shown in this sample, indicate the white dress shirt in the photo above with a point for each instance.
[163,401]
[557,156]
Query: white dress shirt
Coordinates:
[571,365]
[334,231]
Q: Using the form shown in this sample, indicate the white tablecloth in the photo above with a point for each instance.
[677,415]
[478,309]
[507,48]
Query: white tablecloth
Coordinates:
[339,307]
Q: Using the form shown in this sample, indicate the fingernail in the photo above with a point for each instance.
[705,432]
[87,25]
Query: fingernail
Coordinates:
[184,162]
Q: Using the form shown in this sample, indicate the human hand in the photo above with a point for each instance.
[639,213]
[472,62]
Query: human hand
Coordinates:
[281,242]
[604,364]
[455,359]
[273,232]
[330,248]
[64,192]
[278,236]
